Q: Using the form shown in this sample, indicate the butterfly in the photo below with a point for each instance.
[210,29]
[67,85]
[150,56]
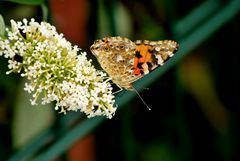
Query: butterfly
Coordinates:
[126,61]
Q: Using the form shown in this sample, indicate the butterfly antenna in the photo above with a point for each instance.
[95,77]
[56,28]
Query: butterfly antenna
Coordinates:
[141,98]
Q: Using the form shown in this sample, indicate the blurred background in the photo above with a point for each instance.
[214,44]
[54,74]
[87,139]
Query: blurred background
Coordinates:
[194,97]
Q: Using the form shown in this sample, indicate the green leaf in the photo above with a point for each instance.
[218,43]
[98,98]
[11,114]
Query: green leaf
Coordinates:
[29,2]
[44,12]
[2,26]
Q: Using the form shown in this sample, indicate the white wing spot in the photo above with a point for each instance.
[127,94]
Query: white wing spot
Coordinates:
[157,48]
[145,68]
[153,43]
[170,53]
[160,60]
[119,58]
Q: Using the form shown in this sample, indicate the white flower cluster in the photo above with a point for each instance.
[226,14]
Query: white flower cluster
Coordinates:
[54,69]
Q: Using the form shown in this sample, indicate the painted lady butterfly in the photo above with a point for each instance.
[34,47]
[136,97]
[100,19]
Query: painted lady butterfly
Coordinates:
[126,61]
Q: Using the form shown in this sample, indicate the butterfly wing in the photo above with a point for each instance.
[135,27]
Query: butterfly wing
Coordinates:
[151,54]
[126,61]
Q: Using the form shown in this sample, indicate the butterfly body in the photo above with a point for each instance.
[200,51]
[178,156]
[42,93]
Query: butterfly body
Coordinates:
[126,61]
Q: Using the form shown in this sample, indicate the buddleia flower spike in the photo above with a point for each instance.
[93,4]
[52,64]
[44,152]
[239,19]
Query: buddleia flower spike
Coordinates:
[54,70]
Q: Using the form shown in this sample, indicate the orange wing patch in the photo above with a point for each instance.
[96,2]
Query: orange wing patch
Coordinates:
[142,57]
